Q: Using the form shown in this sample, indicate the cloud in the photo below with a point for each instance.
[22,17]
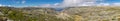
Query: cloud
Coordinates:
[56,4]
[9,5]
[103,4]
[49,5]
[45,5]
[78,2]
[4,5]
[23,2]
[72,3]
[0,5]
[87,4]
[108,4]
[116,4]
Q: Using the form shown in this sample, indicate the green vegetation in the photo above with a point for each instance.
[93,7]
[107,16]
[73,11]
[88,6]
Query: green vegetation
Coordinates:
[15,15]
[71,14]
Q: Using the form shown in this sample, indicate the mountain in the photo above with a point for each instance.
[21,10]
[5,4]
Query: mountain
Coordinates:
[93,13]
[83,13]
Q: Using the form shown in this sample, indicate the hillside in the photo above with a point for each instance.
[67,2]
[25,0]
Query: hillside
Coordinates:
[87,13]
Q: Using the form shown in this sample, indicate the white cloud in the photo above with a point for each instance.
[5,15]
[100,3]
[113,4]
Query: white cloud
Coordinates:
[49,5]
[69,3]
[78,2]
[87,4]
[23,2]
[103,4]
[56,4]
[116,4]
[45,5]
[4,5]
[9,5]
[0,4]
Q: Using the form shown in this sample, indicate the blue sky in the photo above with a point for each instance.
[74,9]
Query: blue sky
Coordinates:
[28,2]
[112,1]
[39,2]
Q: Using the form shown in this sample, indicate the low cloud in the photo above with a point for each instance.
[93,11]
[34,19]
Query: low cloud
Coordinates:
[0,5]
[71,3]
[103,4]
[116,4]
[77,2]
[46,5]
[4,5]
[50,5]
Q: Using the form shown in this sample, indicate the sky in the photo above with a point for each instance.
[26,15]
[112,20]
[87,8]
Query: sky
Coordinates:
[58,3]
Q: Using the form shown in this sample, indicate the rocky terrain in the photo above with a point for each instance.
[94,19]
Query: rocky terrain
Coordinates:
[94,13]
[85,13]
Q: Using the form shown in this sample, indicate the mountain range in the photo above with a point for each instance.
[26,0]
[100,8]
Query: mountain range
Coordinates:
[83,13]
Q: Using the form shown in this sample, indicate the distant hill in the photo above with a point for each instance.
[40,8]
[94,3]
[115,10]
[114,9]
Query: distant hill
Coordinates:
[83,13]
